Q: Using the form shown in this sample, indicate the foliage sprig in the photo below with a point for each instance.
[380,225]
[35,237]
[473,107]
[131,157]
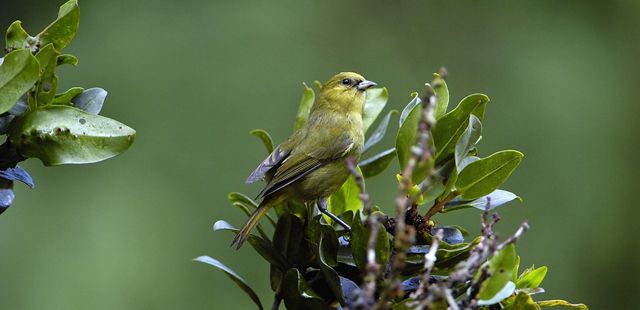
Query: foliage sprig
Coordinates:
[404,261]
[36,120]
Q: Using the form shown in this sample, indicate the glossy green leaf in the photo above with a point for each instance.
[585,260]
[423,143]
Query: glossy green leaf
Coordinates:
[442,94]
[434,189]
[465,162]
[67,59]
[376,99]
[482,177]
[560,304]
[264,136]
[304,108]
[532,278]
[21,106]
[514,276]
[66,135]
[375,164]
[452,125]
[345,199]
[325,245]
[447,256]
[297,294]
[379,133]
[48,83]
[18,73]
[90,100]
[522,301]
[239,197]
[360,239]
[468,139]
[62,31]
[65,98]
[18,38]
[415,100]
[493,200]
[289,240]
[500,268]
[233,276]
[503,294]
[406,137]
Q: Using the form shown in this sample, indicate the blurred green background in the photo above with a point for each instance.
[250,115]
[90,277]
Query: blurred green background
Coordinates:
[193,77]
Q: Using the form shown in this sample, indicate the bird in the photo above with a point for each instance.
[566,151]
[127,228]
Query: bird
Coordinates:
[311,164]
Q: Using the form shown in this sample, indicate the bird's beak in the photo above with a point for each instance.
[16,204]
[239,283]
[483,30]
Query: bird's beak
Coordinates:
[364,85]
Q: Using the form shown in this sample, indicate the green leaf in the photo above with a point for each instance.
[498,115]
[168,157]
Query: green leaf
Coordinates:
[48,83]
[562,304]
[360,239]
[503,294]
[265,137]
[531,278]
[379,133]
[297,294]
[375,164]
[91,100]
[66,135]
[483,176]
[376,99]
[62,31]
[325,245]
[434,188]
[468,139]
[448,257]
[442,94]
[18,38]
[233,276]
[500,268]
[289,240]
[522,301]
[452,125]
[345,199]
[514,276]
[67,59]
[65,98]
[18,73]
[465,162]
[305,107]
[415,100]
[406,137]
[493,200]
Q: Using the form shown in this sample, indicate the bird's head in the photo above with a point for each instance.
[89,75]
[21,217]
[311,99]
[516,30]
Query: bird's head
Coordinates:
[344,91]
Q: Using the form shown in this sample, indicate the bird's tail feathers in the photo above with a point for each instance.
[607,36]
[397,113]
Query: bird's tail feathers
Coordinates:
[251,223]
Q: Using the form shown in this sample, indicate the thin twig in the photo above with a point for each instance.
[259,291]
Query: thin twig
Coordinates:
[367,295]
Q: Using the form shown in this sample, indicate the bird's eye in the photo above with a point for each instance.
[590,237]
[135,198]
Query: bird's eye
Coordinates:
[346,81]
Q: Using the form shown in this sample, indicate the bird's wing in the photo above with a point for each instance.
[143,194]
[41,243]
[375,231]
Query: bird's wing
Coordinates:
[301,163]
[276,157]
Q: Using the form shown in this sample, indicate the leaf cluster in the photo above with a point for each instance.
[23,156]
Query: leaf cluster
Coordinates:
[40,122]
[315,264]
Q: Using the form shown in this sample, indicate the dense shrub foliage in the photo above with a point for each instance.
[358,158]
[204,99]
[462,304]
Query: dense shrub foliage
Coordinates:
[401,260]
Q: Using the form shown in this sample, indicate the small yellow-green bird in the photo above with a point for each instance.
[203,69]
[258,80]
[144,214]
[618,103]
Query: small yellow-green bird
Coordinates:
[310,165]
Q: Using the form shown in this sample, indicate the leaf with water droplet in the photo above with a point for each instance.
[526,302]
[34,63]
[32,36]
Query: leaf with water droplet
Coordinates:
[66,135]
